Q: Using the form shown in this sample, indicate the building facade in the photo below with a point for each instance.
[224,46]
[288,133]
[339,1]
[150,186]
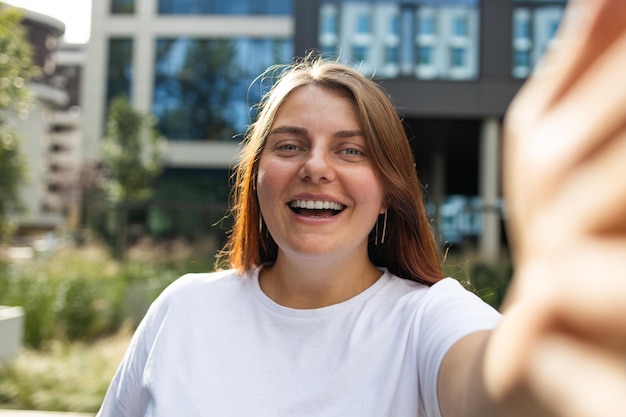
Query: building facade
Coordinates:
[190,63]
[193,65]
[452,67]
[51,130]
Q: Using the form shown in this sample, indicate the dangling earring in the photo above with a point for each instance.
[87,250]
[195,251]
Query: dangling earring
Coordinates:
[261,227]
[382,239]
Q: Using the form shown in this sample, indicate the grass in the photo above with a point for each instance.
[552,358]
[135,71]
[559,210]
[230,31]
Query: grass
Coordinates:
[63,376]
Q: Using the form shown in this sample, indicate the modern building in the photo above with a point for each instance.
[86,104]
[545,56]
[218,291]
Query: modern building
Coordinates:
[51,137]
[189,63]
[192,64]
[452,67]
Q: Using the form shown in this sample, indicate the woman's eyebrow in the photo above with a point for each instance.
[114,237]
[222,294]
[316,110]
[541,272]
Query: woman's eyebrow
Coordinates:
[289,129]
[348,133]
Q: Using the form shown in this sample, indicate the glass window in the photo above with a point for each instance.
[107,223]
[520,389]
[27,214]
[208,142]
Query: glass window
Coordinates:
[329,23]
[459,26]
[522,28]
[122,7]
[522,59]
[203,88]
[359,53]
[418,35]
[119,68]
[426,25]
[392,55]
[426,55]
[458,57]
[394,25]
[363,23]
[229,7]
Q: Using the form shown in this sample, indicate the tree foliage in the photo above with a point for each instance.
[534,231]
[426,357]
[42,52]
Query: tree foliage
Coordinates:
[16,70]
[132,152]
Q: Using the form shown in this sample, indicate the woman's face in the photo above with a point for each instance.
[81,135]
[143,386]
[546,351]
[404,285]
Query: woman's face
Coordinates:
[317,188]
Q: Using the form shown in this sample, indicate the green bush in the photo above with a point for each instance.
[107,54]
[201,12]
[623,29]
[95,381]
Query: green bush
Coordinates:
[83,294]
[488,280]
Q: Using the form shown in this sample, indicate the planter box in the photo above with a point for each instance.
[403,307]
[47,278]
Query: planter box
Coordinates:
[11,330]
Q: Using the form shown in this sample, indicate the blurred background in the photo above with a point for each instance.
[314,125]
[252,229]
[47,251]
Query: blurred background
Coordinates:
[120,123]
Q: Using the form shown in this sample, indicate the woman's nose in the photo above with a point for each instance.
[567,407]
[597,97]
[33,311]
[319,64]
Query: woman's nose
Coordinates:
[317,167]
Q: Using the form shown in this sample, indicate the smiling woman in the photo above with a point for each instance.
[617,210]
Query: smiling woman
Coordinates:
[331,258]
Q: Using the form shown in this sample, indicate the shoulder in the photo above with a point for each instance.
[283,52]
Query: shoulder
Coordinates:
[201,289]
[446,300]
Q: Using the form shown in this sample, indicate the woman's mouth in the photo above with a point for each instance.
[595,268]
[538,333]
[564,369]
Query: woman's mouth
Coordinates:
[316,208]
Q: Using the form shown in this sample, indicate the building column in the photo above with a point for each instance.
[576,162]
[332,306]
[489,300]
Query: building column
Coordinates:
[489,188]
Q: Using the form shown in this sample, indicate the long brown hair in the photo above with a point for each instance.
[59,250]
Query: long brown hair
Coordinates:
[409,250]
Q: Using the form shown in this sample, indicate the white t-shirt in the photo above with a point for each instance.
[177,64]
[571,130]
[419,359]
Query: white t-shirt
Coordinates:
[215,345]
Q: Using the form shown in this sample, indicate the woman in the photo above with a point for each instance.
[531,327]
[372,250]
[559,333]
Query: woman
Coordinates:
[312,319]
[335,304]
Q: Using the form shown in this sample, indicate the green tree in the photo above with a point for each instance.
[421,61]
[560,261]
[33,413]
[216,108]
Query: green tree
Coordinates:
[132,152]
[16,70]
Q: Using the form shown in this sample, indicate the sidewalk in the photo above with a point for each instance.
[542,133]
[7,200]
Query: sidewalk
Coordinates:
[26,413]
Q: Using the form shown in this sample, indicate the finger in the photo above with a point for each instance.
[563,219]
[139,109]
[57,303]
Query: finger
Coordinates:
[593,198]
[580,290]
[591,112]
[573,379]
[590,299]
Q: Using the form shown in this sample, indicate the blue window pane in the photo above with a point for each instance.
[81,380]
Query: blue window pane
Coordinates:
[425,55]
[459,27]
[392,55]
[229,7]
[522,29]
[394,25]
[329,24]
[458,57]
[204,88]
[522,59]
[427,25]
[359,53]
[363,24]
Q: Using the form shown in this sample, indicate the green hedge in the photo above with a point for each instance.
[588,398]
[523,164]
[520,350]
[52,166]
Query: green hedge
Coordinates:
[84,294]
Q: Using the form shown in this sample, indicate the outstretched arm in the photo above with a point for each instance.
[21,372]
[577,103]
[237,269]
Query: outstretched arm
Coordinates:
[561,348]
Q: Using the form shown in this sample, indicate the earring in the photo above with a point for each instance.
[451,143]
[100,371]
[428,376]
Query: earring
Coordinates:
[267,233]
[382,238]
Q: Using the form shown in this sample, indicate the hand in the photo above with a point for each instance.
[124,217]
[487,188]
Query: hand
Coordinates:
[561,349]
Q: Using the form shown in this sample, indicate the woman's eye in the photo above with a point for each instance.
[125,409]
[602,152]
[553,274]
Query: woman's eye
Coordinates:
[351,151]
[288,147]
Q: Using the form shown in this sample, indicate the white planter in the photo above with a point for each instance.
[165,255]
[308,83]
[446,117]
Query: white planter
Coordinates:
[11,330]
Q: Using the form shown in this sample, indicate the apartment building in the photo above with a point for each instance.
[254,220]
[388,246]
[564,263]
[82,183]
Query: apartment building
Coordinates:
[51,138]
[452,68]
